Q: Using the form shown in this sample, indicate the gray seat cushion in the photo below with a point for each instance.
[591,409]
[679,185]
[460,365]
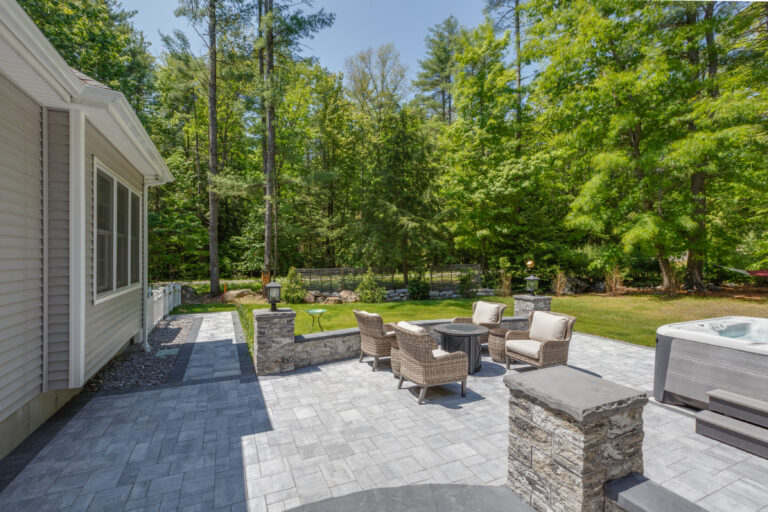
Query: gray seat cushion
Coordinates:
[527,348]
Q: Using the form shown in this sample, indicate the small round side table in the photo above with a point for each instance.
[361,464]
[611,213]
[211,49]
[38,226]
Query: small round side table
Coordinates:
[316,314]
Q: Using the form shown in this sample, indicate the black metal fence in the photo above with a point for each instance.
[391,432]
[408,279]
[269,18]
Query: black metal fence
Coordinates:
[348,278]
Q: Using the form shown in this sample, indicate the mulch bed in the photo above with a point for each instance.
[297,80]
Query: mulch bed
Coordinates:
[133,367]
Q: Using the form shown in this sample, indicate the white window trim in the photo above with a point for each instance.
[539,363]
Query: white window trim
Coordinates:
[98,298]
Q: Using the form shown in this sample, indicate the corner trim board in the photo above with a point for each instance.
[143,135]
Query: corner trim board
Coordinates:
[77,252]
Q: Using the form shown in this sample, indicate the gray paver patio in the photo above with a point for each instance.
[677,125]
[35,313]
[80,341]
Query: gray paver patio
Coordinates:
[277,442]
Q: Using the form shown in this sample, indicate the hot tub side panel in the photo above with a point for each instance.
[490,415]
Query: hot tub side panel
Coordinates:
[686,370]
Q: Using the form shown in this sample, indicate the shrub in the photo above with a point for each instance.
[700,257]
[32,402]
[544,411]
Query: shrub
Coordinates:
[614,280]
[467,284]
[418,288]
[560,283]
[293,288]
[489,279]
[369,290]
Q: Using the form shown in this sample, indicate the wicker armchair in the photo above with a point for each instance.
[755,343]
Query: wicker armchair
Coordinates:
[423,364]
[545,343]
[489,316]
[376,337]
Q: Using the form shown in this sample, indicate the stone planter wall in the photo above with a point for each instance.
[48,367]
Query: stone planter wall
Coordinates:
[525,304]
[569,434]
[277,350]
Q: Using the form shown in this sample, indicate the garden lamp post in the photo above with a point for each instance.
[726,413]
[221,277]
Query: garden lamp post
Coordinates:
[273,294]
[531,284]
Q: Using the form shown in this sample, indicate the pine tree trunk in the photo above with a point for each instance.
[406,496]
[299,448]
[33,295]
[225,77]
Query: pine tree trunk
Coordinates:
[270,162]
[694,276]
[213,136]
[518,81]
[694,266]
[667,279]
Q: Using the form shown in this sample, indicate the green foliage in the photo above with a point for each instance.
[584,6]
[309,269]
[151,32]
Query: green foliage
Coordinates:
[418,287]
[98,38]
[467,283]
[369,290]
[293,288]
[633,107]
[435,80]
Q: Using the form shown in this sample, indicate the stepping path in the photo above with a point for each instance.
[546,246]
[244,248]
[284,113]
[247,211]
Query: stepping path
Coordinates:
[215,353]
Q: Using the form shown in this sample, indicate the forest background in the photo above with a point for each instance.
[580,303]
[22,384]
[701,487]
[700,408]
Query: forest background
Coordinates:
[638,141]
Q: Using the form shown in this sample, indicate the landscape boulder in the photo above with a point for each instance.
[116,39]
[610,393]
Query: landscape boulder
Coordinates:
[333,300]
[349,296]
[235,294]
[188,294]
[575,285]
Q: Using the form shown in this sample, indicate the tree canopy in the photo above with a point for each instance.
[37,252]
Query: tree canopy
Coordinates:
[639,140]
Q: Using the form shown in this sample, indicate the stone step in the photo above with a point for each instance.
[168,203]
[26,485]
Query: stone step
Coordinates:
[636,493]
[424,498]
[745,436]
[743,407]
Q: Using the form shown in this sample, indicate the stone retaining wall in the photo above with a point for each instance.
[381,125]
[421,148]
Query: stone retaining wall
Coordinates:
[277,350]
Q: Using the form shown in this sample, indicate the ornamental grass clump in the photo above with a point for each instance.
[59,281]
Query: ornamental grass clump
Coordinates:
[369,290]
[560,283]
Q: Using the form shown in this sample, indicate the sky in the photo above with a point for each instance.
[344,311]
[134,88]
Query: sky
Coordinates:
[359,24]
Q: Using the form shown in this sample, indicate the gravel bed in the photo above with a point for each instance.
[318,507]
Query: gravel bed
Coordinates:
[134,367]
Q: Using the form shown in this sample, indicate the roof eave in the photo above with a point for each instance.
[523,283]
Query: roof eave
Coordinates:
[28,41]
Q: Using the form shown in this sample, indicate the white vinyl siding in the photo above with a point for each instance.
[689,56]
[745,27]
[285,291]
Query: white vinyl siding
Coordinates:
[21,250]
[113,318]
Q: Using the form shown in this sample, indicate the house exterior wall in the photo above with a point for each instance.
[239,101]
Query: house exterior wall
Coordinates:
[57,142]
[109,322]
[21,250]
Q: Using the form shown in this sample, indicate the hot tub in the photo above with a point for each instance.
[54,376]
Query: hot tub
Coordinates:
[692,358]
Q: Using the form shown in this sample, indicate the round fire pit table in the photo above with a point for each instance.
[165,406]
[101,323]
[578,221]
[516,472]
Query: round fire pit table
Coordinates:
[464,337]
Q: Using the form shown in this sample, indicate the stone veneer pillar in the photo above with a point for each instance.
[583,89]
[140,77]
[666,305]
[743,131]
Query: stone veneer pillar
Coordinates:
[525,304]
[569,433]
[273,337]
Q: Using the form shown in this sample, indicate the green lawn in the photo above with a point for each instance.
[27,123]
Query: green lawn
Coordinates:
[631,318]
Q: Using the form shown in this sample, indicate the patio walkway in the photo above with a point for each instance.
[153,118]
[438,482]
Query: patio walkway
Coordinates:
[235,442]
[215,351]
